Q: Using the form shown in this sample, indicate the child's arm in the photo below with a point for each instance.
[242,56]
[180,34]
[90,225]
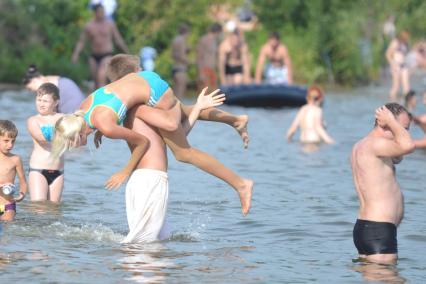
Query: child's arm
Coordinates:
[320,129]
[23,187]
[203,102]
[294,126]
[110,129]
[35,132]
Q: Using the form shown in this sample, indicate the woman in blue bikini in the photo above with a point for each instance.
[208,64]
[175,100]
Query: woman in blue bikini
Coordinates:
[46,176]
[105,109]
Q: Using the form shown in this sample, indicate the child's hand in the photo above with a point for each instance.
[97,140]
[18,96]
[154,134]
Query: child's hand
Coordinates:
[211,100]
[97,139]
[116,180]
[20,197]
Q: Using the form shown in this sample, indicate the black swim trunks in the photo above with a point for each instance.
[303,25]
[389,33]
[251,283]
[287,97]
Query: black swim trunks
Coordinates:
[372,237]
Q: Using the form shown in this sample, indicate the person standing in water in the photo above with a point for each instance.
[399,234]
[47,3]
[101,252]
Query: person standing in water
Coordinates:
[180,51]
[309,120]
[381,203]
[102,33]
[46,176]
[396,56]
[279,69]
[207,52]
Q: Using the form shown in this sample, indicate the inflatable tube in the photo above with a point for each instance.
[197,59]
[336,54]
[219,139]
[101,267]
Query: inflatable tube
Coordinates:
[265,95]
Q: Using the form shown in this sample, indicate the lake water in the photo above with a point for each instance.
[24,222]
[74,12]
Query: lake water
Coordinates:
[298,231]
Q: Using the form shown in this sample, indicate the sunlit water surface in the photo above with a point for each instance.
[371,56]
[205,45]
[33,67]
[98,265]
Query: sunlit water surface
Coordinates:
[298,231]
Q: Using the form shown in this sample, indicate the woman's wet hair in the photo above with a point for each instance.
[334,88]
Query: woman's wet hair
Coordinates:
[32,72]
[67,133]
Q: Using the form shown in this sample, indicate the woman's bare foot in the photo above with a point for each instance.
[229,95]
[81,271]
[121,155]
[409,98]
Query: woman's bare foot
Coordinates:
[245,193]
[241,127]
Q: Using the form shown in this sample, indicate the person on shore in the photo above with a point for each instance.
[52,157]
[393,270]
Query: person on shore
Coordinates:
[102,33]
[71,95]
[46,176]
[381,203]
[180,52]
[396,56]
[147,189]
[278,69]
[207,53]
[10,166]
[310,121]
[234,61]
[106,108]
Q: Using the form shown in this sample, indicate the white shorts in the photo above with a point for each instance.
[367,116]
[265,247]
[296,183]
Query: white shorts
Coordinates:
[147,193]
[276,75]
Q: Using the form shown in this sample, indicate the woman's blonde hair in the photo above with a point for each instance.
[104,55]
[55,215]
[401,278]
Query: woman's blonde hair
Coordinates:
[67,133]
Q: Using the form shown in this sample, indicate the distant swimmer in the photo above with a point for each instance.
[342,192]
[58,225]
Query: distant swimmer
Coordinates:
[420,120]
[10,167]
[45,176]
[279,69]
[396,55]
[70,93]
[101,33]
[310,121]
[381,203]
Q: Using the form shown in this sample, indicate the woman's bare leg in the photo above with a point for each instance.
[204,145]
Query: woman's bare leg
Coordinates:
[239,122]
[183,152]
[55,189]
[38,186]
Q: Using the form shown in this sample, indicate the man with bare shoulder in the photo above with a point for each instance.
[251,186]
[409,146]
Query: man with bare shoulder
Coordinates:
[278,69]
[102,33]
[373,167]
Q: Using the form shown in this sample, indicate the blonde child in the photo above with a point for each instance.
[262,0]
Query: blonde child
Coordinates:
[10,166]
[46,176]
[105,109]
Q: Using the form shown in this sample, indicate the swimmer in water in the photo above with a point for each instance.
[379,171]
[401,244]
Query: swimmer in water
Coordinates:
[309,120]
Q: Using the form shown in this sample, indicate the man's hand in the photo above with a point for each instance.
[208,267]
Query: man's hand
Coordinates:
[384,117]
[116,180]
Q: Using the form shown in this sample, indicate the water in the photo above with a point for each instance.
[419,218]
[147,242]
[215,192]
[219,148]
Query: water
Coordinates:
[298,231]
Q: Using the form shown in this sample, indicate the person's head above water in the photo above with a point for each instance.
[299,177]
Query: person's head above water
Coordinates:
[70,132]
[314,95]
[122,64]
[33,79]
[400,113]
[47,98]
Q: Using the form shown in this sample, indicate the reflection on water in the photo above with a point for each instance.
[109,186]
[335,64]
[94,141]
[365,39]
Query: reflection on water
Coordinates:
[379,272]
[298,231]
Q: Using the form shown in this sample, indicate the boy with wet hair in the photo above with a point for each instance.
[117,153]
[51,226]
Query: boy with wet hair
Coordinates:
[10,165]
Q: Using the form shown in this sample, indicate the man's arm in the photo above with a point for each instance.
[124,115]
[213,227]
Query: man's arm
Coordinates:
[80,44]
[260,64]
[287,62]
[402,143]
[119,39]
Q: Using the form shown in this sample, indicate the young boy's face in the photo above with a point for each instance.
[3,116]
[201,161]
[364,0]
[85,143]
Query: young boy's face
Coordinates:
[46,104]
[6,143]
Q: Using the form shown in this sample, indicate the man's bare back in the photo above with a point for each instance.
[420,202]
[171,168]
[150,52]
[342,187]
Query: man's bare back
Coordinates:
[380,198]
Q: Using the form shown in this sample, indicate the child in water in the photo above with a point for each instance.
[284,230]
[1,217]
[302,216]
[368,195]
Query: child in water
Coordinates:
[309,120]
[46,176]
[106,108]
[10,165]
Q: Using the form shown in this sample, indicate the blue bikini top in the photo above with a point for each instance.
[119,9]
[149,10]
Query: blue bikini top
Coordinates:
[48,130]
